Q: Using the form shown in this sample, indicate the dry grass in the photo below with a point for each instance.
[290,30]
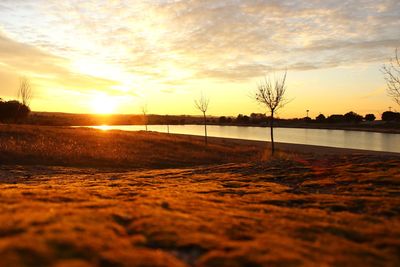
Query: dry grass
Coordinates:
[96,148]
[294,210]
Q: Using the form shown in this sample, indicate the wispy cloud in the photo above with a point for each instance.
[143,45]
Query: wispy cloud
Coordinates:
[22,59]
[222,39]
[226,40]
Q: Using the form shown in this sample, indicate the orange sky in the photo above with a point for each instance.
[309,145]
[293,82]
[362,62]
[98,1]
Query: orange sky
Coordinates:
[114,56]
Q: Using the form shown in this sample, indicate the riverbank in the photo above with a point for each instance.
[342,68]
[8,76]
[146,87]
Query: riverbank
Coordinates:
[85,197]
[299,148]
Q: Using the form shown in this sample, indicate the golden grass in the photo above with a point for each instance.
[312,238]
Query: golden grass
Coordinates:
[96,148]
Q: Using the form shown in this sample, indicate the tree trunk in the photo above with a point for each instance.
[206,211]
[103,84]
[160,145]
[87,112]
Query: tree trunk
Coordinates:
[205,128]
[272,133]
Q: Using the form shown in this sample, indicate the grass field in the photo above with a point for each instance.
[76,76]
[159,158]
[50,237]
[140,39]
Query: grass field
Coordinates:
[80,197]
[114,149]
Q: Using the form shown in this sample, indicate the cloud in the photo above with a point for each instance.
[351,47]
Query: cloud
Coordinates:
[18,59]
[332,44]
[228,40]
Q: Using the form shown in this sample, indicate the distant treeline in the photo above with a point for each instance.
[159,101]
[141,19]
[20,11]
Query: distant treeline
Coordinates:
[19,113]
[349,118]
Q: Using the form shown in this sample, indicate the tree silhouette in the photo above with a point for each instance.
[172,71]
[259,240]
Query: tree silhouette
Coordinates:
[391,72]
[13,111]
[390,116]
[271,95]
[320,118]
[25,92]
[202,105]
[352,117]
[370,117]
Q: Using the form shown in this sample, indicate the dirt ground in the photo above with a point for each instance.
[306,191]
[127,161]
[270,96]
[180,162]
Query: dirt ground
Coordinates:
[295,211]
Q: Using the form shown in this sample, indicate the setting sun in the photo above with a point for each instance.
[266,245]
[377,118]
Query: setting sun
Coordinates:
[199,133]
[103,104]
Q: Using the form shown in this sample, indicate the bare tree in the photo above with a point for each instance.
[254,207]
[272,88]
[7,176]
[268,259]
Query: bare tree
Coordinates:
[392,77]
[25,91]
[271,95]
[202,105]
[144,110]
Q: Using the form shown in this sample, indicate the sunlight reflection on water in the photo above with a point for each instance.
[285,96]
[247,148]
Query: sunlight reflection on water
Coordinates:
[102,127]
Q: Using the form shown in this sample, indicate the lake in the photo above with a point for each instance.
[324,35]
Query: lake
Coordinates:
[321,137]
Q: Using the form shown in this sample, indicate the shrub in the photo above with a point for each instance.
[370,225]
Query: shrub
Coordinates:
[321,117]
[352,117]
[13,111]
[390,116]
[335,118]
[370,117]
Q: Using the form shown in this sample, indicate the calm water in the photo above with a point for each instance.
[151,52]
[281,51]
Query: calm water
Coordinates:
[321,137]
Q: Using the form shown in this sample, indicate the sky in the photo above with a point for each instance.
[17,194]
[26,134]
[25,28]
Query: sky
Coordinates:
[115,56]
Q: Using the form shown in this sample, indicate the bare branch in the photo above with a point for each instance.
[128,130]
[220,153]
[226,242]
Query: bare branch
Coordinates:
[202,103]
[391,73]
[25,92]
[144,109]
[272,96]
